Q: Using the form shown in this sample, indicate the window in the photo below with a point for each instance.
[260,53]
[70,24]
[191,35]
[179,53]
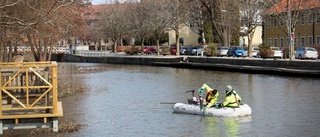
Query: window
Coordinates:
[275,22]
[281,42]
[275,42]
[310,18]
[310,40]
[302,20]
[269,41]
[78,41]
[62,42]
[288,41]
[181,41]
[303,41]
[268,22]
[318,17]
[84,42]
[318,40]
[281,22]
[295,41]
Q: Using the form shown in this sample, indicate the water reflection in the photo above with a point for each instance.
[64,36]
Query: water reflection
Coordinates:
[125,100]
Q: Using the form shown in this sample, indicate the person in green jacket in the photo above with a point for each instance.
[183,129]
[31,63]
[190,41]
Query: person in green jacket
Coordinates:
[211,96]
[232,98]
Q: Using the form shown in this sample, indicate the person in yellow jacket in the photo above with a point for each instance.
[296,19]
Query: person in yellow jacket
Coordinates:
[211,96]
[232,98]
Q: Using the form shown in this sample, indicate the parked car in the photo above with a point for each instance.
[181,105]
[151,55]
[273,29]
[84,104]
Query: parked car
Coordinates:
[255,52]
[149,50]
[173,51]
[306,53]
[277,52]
[200,50]
[236,51]
[188,50]
[191,50]
[245,53]
[222,51]
[183,50]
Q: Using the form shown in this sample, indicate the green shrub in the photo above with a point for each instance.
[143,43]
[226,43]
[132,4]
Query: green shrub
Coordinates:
[265,51]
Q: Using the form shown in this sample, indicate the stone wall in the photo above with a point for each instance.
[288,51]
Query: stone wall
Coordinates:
[295,64]
[150,60]
[136,60]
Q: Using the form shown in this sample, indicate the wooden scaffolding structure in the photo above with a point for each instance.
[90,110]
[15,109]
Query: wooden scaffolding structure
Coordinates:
[29,95]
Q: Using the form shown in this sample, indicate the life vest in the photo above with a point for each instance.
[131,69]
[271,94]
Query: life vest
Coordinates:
[231,102]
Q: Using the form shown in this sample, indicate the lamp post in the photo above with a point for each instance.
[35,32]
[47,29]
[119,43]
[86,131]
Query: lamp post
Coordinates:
[225,11]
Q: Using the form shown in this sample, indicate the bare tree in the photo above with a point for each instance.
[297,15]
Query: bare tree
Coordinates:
[160,19]
[215,15]
[251,17]
[290,12]
[41,22]
[180,16]
[139,17]
[112,22]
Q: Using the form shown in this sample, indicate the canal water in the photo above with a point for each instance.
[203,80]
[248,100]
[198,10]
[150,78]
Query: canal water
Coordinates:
[136,101]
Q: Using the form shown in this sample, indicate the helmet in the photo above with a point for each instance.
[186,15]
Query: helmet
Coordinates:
[228,88]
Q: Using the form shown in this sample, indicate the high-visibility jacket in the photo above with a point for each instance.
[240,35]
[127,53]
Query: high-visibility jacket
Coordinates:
[232,99]
[211,100]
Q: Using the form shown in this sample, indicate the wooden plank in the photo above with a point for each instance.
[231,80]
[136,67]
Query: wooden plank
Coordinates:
[30,116]
[60,109]
[30,108]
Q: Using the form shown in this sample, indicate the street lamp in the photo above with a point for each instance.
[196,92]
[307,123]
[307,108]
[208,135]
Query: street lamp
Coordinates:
[225,11]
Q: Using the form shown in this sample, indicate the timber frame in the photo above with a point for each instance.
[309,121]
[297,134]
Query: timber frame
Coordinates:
[29,91]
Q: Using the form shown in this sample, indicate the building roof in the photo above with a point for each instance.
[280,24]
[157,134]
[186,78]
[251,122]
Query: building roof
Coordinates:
[294,5]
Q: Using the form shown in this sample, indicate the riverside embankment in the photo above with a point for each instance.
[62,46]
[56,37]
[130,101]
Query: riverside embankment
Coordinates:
[306,68]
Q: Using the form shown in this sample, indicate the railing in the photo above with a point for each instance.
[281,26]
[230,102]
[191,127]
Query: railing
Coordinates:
[29,90]
[93,53]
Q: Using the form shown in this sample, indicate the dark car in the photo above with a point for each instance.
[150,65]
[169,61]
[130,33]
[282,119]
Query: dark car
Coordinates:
[183,50]
[149,50]
[191,50]
[236,51]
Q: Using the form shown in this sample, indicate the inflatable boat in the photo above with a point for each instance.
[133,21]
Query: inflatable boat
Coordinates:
[243,110]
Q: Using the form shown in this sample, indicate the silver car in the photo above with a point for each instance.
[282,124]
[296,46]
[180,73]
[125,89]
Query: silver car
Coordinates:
[255,52]
[277,52]
[306,53]
[222,51]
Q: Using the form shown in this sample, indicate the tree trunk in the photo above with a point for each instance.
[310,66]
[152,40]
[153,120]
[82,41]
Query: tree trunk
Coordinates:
[291,51]
[30,41]
[142,45]
[2,50]
[250,36]
[158,46]
[177,43]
